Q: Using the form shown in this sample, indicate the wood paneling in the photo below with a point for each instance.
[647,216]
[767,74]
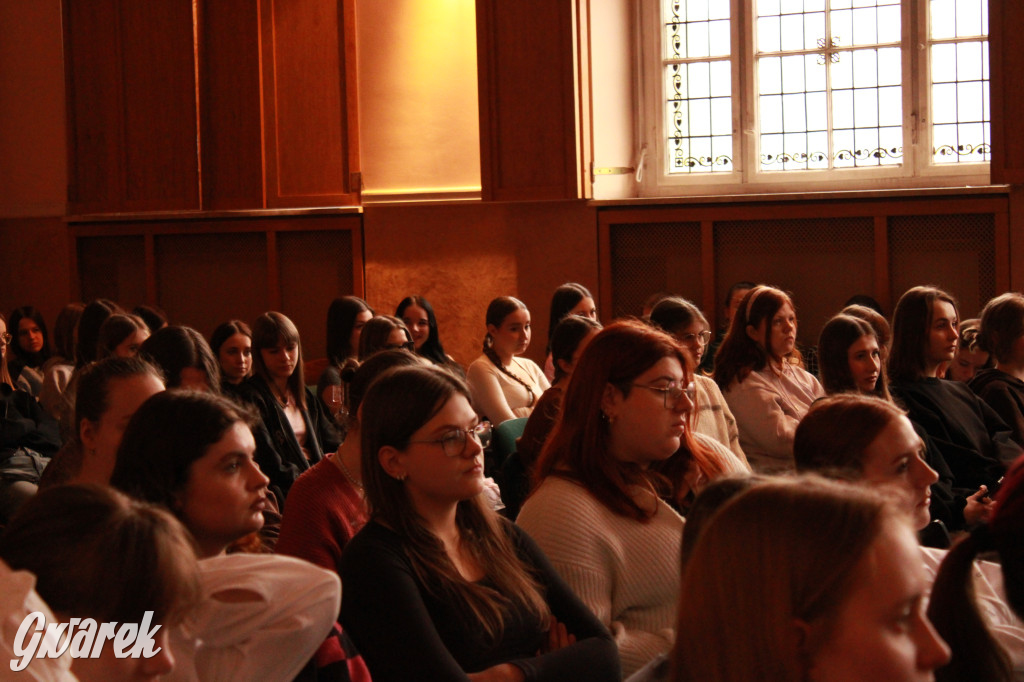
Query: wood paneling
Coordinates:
[308,87]
[131,105]
[1006,56]
[229,104]
[528,144]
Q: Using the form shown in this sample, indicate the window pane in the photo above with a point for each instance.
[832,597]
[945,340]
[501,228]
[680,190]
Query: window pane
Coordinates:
[865,107]
[842,108]
[795,152]
[769,37]
[719,38]
[817,112]
[865,23]
[792,28]
[968,62]
[769,75]
[721,79]
[817,151]
[842,70]
[815,73]
[968,102]
[697,40]
[865,69]
[842,141]
[794,117]
[770,113]
[700,116]
[944,103]
[891,141]
[793,74]
[766,7]
[814,28]
[889,28]
[969,18]
[697,10]
[771,152]
[890,107]
[890,64]
[698,79]
[944,141]
[842,26]
[944,63]
[721,116]
[942,18]
[721,148]
[866,143]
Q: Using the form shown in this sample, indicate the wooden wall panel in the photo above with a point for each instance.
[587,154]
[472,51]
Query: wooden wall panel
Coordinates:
[161,166]
[1006,56]
[114,268]
[93,77]
[308,86]
[526,70]
[229,105]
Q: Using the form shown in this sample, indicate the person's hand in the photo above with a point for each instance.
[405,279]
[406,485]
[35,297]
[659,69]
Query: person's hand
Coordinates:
[558,637]
[979,507]
[503,672]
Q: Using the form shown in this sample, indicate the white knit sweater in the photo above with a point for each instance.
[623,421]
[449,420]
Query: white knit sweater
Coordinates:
[626,571]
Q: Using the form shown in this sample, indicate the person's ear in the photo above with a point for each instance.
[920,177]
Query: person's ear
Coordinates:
[753,333]
[564,365]
[87,434]
[800,642]
[392,461]
[610,401]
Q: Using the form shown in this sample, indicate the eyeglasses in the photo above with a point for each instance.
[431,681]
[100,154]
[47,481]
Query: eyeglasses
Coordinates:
[454,442]
[408,345]
[5,338]
[672,391]
[703,337]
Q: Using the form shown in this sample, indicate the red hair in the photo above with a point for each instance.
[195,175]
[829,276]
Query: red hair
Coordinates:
[578,446]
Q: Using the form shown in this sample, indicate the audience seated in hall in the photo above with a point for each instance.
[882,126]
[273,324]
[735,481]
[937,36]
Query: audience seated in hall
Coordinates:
[503,385]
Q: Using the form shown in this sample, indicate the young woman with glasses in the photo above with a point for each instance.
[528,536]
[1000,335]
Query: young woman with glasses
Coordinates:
[437,586]
[598,511]
[685,322]
[767,392]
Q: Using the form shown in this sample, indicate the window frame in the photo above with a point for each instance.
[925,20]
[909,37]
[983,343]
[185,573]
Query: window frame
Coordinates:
[747,178]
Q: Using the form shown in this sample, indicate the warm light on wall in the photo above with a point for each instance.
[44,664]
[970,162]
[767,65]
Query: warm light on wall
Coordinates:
[419,114]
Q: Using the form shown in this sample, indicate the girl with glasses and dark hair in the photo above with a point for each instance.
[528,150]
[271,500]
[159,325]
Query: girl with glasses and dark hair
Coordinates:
[437,586]
[755,368]
[687,324]
[597,511]
[504,385]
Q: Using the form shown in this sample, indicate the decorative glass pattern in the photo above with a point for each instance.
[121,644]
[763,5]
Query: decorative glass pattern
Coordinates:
[958,50]
[829,84]
[698,86]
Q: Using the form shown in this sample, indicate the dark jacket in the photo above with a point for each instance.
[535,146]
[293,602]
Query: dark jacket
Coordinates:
[1005,395]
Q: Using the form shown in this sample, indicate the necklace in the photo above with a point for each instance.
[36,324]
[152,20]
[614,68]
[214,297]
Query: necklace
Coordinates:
[346,473]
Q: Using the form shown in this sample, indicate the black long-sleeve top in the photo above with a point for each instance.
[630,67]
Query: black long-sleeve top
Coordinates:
[405,632]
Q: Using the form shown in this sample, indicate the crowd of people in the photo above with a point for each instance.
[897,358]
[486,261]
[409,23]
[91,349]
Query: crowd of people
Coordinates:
[657,500]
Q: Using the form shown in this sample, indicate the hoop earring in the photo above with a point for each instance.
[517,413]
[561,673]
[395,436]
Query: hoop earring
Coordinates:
[488,341]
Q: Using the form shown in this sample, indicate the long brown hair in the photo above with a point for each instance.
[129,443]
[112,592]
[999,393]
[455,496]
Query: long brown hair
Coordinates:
[739,355]
[1002,323]
[838,334]
[836,432]
[578,446]
[269,330]
[910,324]
[395,406]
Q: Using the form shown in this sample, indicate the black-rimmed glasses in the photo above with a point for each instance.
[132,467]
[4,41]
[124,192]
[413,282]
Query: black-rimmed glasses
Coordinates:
[672,391]
[454,441]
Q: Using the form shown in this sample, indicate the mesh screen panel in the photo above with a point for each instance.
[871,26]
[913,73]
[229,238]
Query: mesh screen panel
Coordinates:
[820,261]
[315,268]
[114,268]
[953,252]
[206,279]
[647,258]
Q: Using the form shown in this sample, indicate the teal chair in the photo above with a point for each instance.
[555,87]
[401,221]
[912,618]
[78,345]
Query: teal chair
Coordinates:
[503,444]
